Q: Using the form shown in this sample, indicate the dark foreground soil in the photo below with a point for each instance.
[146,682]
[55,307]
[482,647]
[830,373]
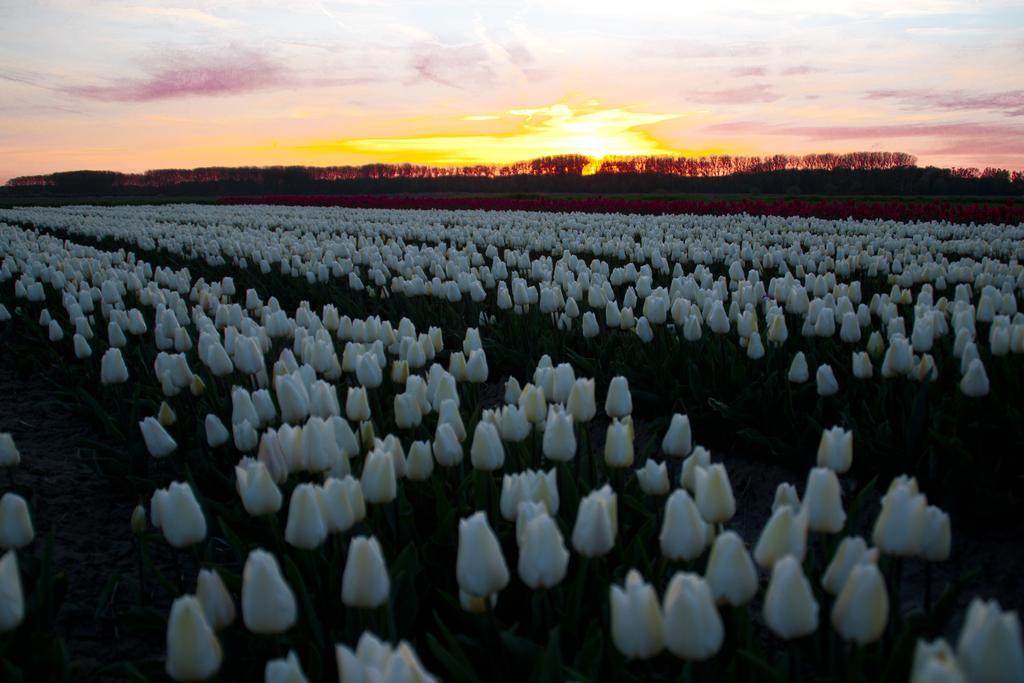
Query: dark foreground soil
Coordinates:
[93,541]
[89,521]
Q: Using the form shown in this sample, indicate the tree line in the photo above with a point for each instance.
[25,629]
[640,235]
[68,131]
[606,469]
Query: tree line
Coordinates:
[883,173]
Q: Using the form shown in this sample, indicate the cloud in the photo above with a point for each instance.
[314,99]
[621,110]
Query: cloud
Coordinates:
[673,49]
[180,73]
[750,71]
[801,70]
[750,94]
[989,147]
[457,66]
[955,130]
[1009,102]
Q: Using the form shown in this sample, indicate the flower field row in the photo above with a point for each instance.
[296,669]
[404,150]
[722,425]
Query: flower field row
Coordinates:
[833,209]
[379,444]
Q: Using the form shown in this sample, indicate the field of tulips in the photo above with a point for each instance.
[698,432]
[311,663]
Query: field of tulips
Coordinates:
[1008,211]
[468,445]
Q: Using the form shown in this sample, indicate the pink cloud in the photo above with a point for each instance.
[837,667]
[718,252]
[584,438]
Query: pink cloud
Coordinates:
[801,70]
[189,74]
[1010,102]
[750,71]
[692,50]
[455,66]
[759,93]
[882,131]
[990,147]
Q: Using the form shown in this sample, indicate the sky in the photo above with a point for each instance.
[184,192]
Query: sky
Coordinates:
[131,86]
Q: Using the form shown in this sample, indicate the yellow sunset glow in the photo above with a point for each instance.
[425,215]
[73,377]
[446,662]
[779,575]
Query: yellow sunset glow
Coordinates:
[556,129]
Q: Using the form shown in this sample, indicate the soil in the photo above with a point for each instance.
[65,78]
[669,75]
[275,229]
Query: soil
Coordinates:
[88,518]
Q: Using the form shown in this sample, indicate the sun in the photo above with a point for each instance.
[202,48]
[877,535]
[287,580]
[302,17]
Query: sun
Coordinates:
[593,131]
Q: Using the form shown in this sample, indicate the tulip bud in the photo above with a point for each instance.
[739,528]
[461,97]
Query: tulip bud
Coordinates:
[159,443]
[447,448]
[399,371]
[693,627]
[790,610]
[935,538]
[543,558]
[619,402]
[593,534]
[826,381]
[357,404]
[268,604]
[337,502]
[989,648]
[407,411]
[514,426]
[365,583]
[683,532]
[699,458]
[368,372]
[778,333]
[248,356]
[306,528]
[678,441]
[16,529]
[935,663]
[112,368]
[449,413]
[823,501]
[9,455]
[533,403]
[853,550]
[618,445]
[245,436]
[213,595]
[582,404]
[166,415]
[835,450]
[176,511]
[487,452]
[785,494]
[377,661]
[798,371]
[476,367]
[559,438]
[420,463]
[480,567]
[637,622]
[193,652]
[730,572]
[512,390]
[379,481]
[862,608]
[138,520]
[975,382]
[862,368]
[81,347]
[785,533]
[12,599]
[653,478]
[899,527]
[367,435]
[714,494]
[284,670]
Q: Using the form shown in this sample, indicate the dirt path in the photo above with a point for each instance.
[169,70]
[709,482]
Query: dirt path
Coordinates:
[89,520]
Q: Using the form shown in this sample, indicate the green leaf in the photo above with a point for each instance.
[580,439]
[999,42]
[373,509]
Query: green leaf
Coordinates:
[457,667]
[306,599]
[549,668]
